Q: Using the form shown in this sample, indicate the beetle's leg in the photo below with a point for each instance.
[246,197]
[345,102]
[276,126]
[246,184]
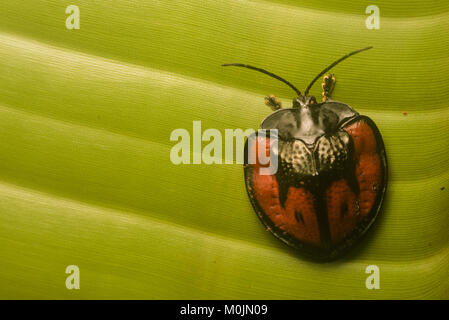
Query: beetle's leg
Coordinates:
[273,102]
[328,86]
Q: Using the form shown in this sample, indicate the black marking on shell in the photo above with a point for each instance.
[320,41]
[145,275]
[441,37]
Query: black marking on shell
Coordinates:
[299,217]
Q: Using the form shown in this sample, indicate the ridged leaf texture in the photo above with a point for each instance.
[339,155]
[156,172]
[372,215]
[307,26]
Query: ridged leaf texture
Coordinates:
[85,121]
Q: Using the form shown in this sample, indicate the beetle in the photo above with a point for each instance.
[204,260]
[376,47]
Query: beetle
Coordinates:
[332,175]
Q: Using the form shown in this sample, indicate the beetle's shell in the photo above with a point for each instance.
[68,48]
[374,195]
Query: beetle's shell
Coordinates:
[323,215]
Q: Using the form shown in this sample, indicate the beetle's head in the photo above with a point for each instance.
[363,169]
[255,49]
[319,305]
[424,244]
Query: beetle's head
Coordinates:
[304,102]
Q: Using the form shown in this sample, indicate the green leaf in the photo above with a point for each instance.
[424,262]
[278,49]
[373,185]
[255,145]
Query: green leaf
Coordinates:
[85,123]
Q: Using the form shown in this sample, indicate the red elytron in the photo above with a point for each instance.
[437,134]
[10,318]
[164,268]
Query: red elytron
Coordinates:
[331,177]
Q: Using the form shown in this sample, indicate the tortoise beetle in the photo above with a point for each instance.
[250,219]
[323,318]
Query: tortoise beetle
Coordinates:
[332,175]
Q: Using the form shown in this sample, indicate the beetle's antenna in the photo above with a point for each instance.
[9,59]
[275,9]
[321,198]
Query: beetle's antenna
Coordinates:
[263,71]
[333,65]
